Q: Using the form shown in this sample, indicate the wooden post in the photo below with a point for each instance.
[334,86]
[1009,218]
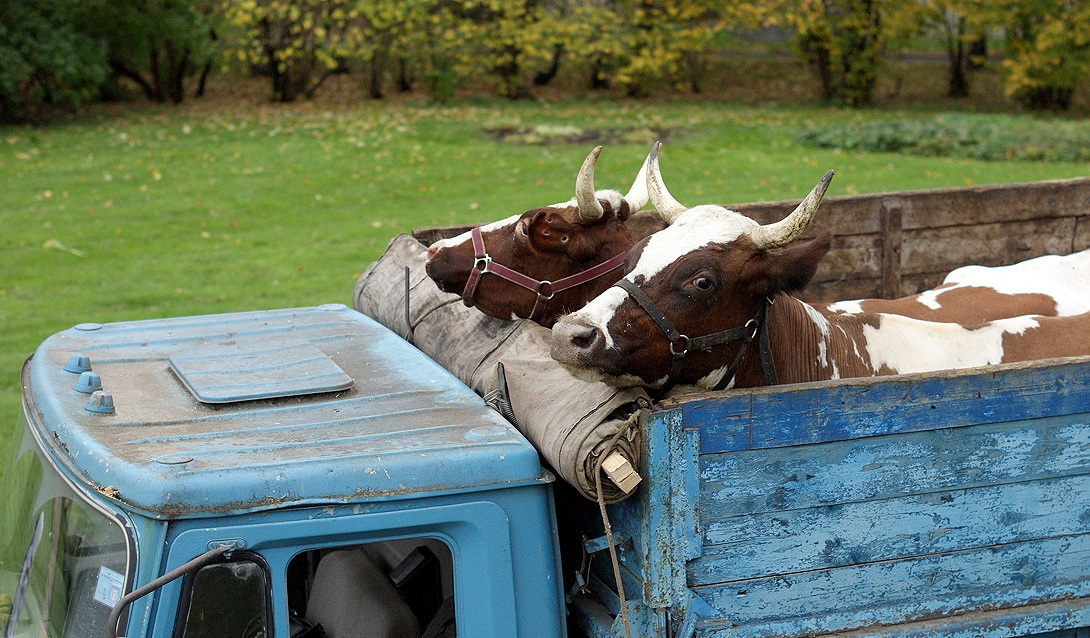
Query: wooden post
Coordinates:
[890,215]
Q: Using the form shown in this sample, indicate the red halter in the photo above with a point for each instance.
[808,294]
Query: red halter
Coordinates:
[545,290]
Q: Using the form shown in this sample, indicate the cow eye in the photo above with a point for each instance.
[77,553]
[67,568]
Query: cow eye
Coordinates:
[703,283]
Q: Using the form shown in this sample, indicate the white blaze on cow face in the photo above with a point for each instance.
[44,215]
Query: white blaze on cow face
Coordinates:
[695,229]
[444,244]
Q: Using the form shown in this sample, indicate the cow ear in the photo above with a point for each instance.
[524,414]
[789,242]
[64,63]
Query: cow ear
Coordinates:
[624,211]
[549,231]
[792,268]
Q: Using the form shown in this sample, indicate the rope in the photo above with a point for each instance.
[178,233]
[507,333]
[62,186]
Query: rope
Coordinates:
[609,528]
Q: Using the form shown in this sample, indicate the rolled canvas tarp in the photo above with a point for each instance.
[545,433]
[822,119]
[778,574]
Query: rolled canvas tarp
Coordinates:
[570,421]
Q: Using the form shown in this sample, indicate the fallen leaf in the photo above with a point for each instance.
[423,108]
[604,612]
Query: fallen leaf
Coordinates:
[53,244]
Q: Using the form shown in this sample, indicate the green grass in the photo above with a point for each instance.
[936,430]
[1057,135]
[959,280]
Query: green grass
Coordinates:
[215,208]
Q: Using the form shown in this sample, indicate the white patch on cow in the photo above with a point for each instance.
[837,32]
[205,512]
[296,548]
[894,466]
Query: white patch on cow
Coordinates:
[613,197]
[850,307]
[823,326]
[600,310]
[713,378]
[594,375]
[694,229]
[906,345]
[930,298]
[467,236]
[1064,278]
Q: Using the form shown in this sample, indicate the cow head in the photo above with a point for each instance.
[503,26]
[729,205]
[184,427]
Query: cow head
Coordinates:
[545,244]
[710,270]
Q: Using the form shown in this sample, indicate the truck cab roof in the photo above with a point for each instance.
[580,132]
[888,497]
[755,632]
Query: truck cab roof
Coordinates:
[261,410]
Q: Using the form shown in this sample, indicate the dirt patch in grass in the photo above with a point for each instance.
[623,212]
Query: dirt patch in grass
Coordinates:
[551,134]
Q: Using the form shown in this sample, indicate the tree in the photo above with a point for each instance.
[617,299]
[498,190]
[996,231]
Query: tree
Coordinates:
[45,60]
[385,33]
[643,45]
[961,23]
[845,41]
[156,44]
[1048,49]
[299,43]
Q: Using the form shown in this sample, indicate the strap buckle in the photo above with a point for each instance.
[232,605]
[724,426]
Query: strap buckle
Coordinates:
[684,339]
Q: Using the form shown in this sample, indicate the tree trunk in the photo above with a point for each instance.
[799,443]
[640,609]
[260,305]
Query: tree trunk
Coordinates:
[544,77]
[378,71]
[404,76]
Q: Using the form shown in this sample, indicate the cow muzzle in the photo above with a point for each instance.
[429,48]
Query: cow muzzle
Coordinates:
[575,343]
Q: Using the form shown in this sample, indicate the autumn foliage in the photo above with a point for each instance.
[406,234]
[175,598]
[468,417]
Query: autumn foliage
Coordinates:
[62,52]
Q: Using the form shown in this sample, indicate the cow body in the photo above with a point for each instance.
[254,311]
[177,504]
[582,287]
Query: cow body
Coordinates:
[715,271]
[546,244]
[1050,285]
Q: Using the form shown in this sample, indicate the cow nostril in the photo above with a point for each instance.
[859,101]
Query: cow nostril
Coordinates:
[583,341]
[582,337]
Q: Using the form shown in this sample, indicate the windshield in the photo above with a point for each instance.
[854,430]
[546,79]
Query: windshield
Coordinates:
[62,561]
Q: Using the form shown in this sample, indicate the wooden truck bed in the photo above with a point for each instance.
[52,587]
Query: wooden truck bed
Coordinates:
[953,504]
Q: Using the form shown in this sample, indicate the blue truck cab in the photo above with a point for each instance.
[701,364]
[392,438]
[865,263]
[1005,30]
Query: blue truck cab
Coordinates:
[276,473]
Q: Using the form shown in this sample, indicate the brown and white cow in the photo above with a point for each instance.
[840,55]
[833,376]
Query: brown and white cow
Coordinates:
[1051,285]
[707,301]
[547,261]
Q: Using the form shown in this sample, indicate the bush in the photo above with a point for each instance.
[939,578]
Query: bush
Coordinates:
[993,138]
[45,61]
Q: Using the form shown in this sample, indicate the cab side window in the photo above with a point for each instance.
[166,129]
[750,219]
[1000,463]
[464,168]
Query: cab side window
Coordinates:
[391,589]
[229,599]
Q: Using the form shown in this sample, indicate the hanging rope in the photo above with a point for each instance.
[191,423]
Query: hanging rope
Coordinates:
[609,528]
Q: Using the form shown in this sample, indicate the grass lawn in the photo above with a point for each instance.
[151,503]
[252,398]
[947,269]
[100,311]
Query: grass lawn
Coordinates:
[217,207]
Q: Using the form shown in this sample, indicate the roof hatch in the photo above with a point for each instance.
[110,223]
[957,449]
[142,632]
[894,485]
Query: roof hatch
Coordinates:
[248,369]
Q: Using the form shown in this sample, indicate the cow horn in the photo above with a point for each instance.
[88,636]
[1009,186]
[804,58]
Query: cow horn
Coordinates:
[790,228]
[637,196]
[590,209]
[668,207]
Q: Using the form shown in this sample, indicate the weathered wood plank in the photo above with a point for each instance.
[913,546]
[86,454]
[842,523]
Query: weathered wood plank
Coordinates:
[779,479]
[986,244]
[940,207]
[891,217]
[828,411]
[789,542]
[845,598]
[1039,620]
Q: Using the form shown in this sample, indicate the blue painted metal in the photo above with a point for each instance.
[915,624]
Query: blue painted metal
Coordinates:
[405,451]
[250,369]
[405,427]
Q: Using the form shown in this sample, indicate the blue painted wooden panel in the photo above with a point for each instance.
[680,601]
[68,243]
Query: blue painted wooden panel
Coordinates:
[830,411]
[776,479]
[891,529]
[899,591]
[956,504]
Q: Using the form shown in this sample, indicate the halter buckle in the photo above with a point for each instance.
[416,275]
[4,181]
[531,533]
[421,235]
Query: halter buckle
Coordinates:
[684,349]
[545,290]
[481,263]
[754,326]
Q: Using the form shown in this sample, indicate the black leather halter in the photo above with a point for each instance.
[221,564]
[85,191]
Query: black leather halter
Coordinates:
[545,290]
[680,345]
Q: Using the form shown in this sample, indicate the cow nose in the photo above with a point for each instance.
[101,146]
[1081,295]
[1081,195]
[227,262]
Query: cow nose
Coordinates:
[575,342]
[432,250]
